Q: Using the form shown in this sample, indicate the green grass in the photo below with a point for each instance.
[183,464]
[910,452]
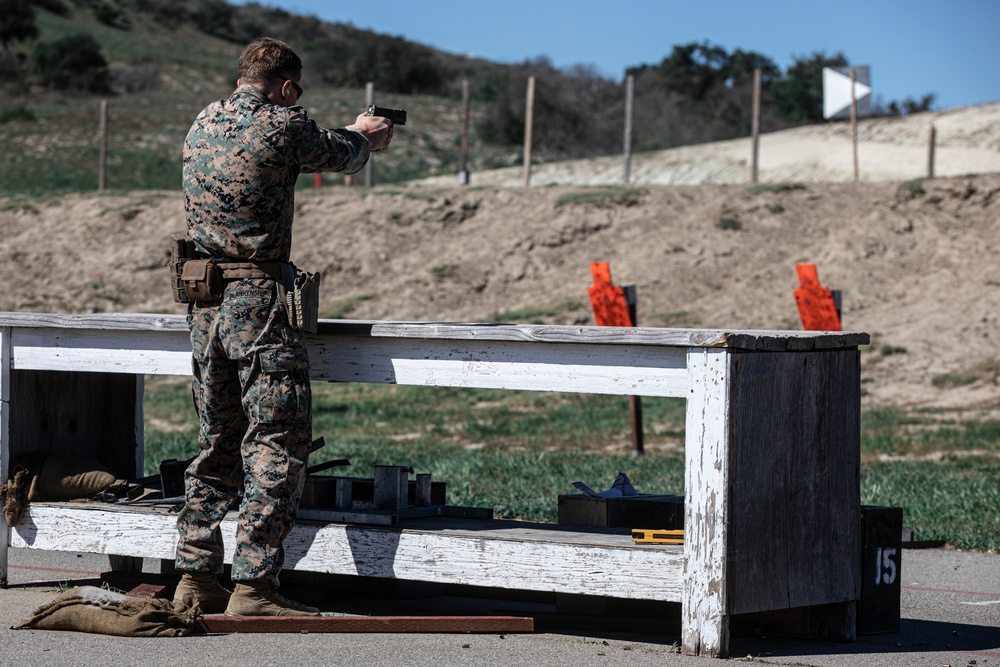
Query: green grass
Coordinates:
[911,189]
[729,224]
[609,198]
[987,371]
[897,433]
[512,451]
[517,451]
[444,271]
[955,501]
[776,187]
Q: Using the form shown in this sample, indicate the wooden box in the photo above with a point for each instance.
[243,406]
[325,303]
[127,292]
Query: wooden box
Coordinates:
[660,512]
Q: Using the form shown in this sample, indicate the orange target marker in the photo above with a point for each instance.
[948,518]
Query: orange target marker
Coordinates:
[606,299]
[817,308]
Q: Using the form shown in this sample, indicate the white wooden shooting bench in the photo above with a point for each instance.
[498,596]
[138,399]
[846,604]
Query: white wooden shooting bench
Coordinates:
[772,456]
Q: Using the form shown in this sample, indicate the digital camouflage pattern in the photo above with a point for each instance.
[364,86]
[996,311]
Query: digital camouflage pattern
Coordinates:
[251,387]
[251,369]
[241,159]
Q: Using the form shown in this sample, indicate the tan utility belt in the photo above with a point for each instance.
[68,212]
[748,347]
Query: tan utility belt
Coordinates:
[239,270]
[204,279]
[194,279]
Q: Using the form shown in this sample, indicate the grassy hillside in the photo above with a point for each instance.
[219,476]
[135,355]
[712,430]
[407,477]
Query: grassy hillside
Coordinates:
[168,58]
[50,137]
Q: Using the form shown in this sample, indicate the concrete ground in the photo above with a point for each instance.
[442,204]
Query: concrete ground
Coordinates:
[950,616]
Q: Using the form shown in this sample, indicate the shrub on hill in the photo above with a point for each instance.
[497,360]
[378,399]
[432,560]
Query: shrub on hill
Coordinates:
[73,62]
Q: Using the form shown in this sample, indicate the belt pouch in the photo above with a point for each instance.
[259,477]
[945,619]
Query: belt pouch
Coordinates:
[202,280]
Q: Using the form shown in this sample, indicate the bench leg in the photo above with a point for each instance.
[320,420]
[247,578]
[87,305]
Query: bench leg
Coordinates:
[705,615]
[5,362]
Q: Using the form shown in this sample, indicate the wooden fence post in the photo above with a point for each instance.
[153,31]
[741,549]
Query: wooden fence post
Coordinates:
[629,97]
[755,125]
[854,125]
[102,158]
[634,402]
[370,166]
[529,117]
[930,152]
[463,174]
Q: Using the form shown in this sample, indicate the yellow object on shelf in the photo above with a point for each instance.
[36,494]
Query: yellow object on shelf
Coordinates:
[658,536]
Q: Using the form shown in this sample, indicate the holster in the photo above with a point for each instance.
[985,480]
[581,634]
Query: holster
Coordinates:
[181,250]
[302,302]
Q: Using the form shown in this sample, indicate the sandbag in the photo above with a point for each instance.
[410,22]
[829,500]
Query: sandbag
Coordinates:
[58,477]
[100,611]
[42,476]
[15,495]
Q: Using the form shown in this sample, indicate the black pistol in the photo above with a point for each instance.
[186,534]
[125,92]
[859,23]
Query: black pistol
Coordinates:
[395,116]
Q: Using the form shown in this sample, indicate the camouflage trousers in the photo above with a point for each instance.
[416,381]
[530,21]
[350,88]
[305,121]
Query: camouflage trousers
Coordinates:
[251,389]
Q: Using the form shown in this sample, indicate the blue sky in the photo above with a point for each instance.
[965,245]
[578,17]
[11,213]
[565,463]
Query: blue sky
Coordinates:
[914,47]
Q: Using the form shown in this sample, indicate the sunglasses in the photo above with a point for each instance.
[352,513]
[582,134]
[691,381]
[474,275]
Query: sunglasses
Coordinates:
[298,89]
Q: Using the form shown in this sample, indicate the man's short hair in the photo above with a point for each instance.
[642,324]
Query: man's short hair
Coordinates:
[268,58]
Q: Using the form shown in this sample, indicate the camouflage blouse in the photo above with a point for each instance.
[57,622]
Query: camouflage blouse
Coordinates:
[241,159]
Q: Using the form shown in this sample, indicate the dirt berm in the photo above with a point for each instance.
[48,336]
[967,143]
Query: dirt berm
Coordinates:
[916,262]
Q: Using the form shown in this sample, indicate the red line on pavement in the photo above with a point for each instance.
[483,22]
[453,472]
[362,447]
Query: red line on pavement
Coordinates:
[948,590]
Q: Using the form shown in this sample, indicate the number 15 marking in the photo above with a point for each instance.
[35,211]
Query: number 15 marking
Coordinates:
[885,566]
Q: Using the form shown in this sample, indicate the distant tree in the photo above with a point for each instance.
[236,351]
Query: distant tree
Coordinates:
[799,95]
[693,69]
[17,22]
[741,64]
[391,63]
[916,106]
[72,62]
[698,93]
[577,112]
[215,17]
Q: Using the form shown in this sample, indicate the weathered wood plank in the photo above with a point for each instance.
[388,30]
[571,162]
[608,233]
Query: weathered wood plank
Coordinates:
[775,340]
[705,616]
[795,494]
[621,370]
[107,321]
[501,554]
[542,333]
[103,350]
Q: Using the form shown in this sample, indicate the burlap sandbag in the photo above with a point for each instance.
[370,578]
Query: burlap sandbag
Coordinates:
[58,477]
[100,611]
[15,495]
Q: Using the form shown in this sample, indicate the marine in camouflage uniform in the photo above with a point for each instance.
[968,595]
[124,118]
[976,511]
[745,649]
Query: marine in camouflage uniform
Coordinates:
[251,370]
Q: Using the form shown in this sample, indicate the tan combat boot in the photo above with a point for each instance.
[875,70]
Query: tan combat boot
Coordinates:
[204,589]
[252,598]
